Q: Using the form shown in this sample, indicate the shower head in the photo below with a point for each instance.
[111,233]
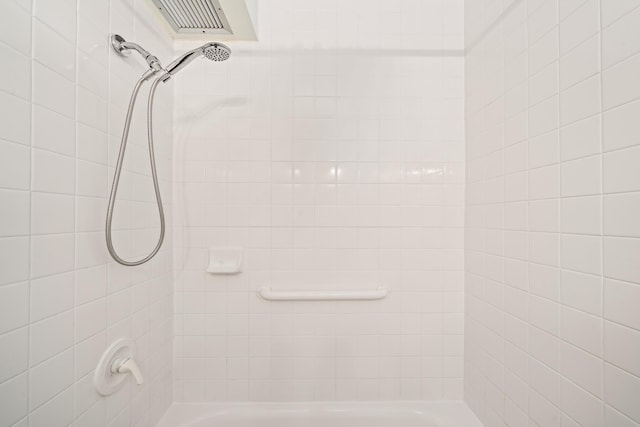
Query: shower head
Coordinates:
[214,51]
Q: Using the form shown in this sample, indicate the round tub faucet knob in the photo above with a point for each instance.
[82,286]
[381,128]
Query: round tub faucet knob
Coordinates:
[127,366]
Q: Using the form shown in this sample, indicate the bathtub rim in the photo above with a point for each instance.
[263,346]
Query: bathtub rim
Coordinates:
[454,412]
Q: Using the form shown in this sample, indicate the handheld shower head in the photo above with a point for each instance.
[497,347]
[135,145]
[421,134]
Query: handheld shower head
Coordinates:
[214,51]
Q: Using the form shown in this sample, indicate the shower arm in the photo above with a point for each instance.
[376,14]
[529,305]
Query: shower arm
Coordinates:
[123,47]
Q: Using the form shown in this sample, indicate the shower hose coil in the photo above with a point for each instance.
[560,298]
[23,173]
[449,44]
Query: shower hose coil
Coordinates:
[154,172]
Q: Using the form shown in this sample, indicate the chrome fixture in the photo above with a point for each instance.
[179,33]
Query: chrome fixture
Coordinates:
[212,51]
[124,48]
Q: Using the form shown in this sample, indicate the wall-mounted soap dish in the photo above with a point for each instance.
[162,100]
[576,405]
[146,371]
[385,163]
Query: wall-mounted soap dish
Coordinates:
[227,260]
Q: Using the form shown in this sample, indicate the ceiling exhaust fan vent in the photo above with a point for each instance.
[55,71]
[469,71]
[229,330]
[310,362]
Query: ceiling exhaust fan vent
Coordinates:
[194,16]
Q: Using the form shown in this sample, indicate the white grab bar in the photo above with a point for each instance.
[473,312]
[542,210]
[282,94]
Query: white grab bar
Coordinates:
[270,295]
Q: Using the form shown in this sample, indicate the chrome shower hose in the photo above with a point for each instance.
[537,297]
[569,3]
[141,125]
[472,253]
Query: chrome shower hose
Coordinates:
[118,171]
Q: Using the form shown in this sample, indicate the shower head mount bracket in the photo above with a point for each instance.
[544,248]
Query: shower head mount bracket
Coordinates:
[117,43]
[124,48]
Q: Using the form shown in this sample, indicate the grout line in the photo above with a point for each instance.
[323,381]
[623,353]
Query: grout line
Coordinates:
[631,57]
[630,11]
[107,172]
[31,180]
[499,19]
[504,203]
[559,196]
[602,213]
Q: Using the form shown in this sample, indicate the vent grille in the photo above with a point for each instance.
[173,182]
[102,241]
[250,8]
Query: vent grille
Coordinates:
[194,16]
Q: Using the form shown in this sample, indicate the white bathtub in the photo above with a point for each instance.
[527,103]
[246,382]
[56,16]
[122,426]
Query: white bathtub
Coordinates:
[320,414]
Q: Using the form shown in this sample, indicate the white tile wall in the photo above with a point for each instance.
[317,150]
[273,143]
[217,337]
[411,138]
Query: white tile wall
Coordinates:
[552,324]
[62,300]
[332,151]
